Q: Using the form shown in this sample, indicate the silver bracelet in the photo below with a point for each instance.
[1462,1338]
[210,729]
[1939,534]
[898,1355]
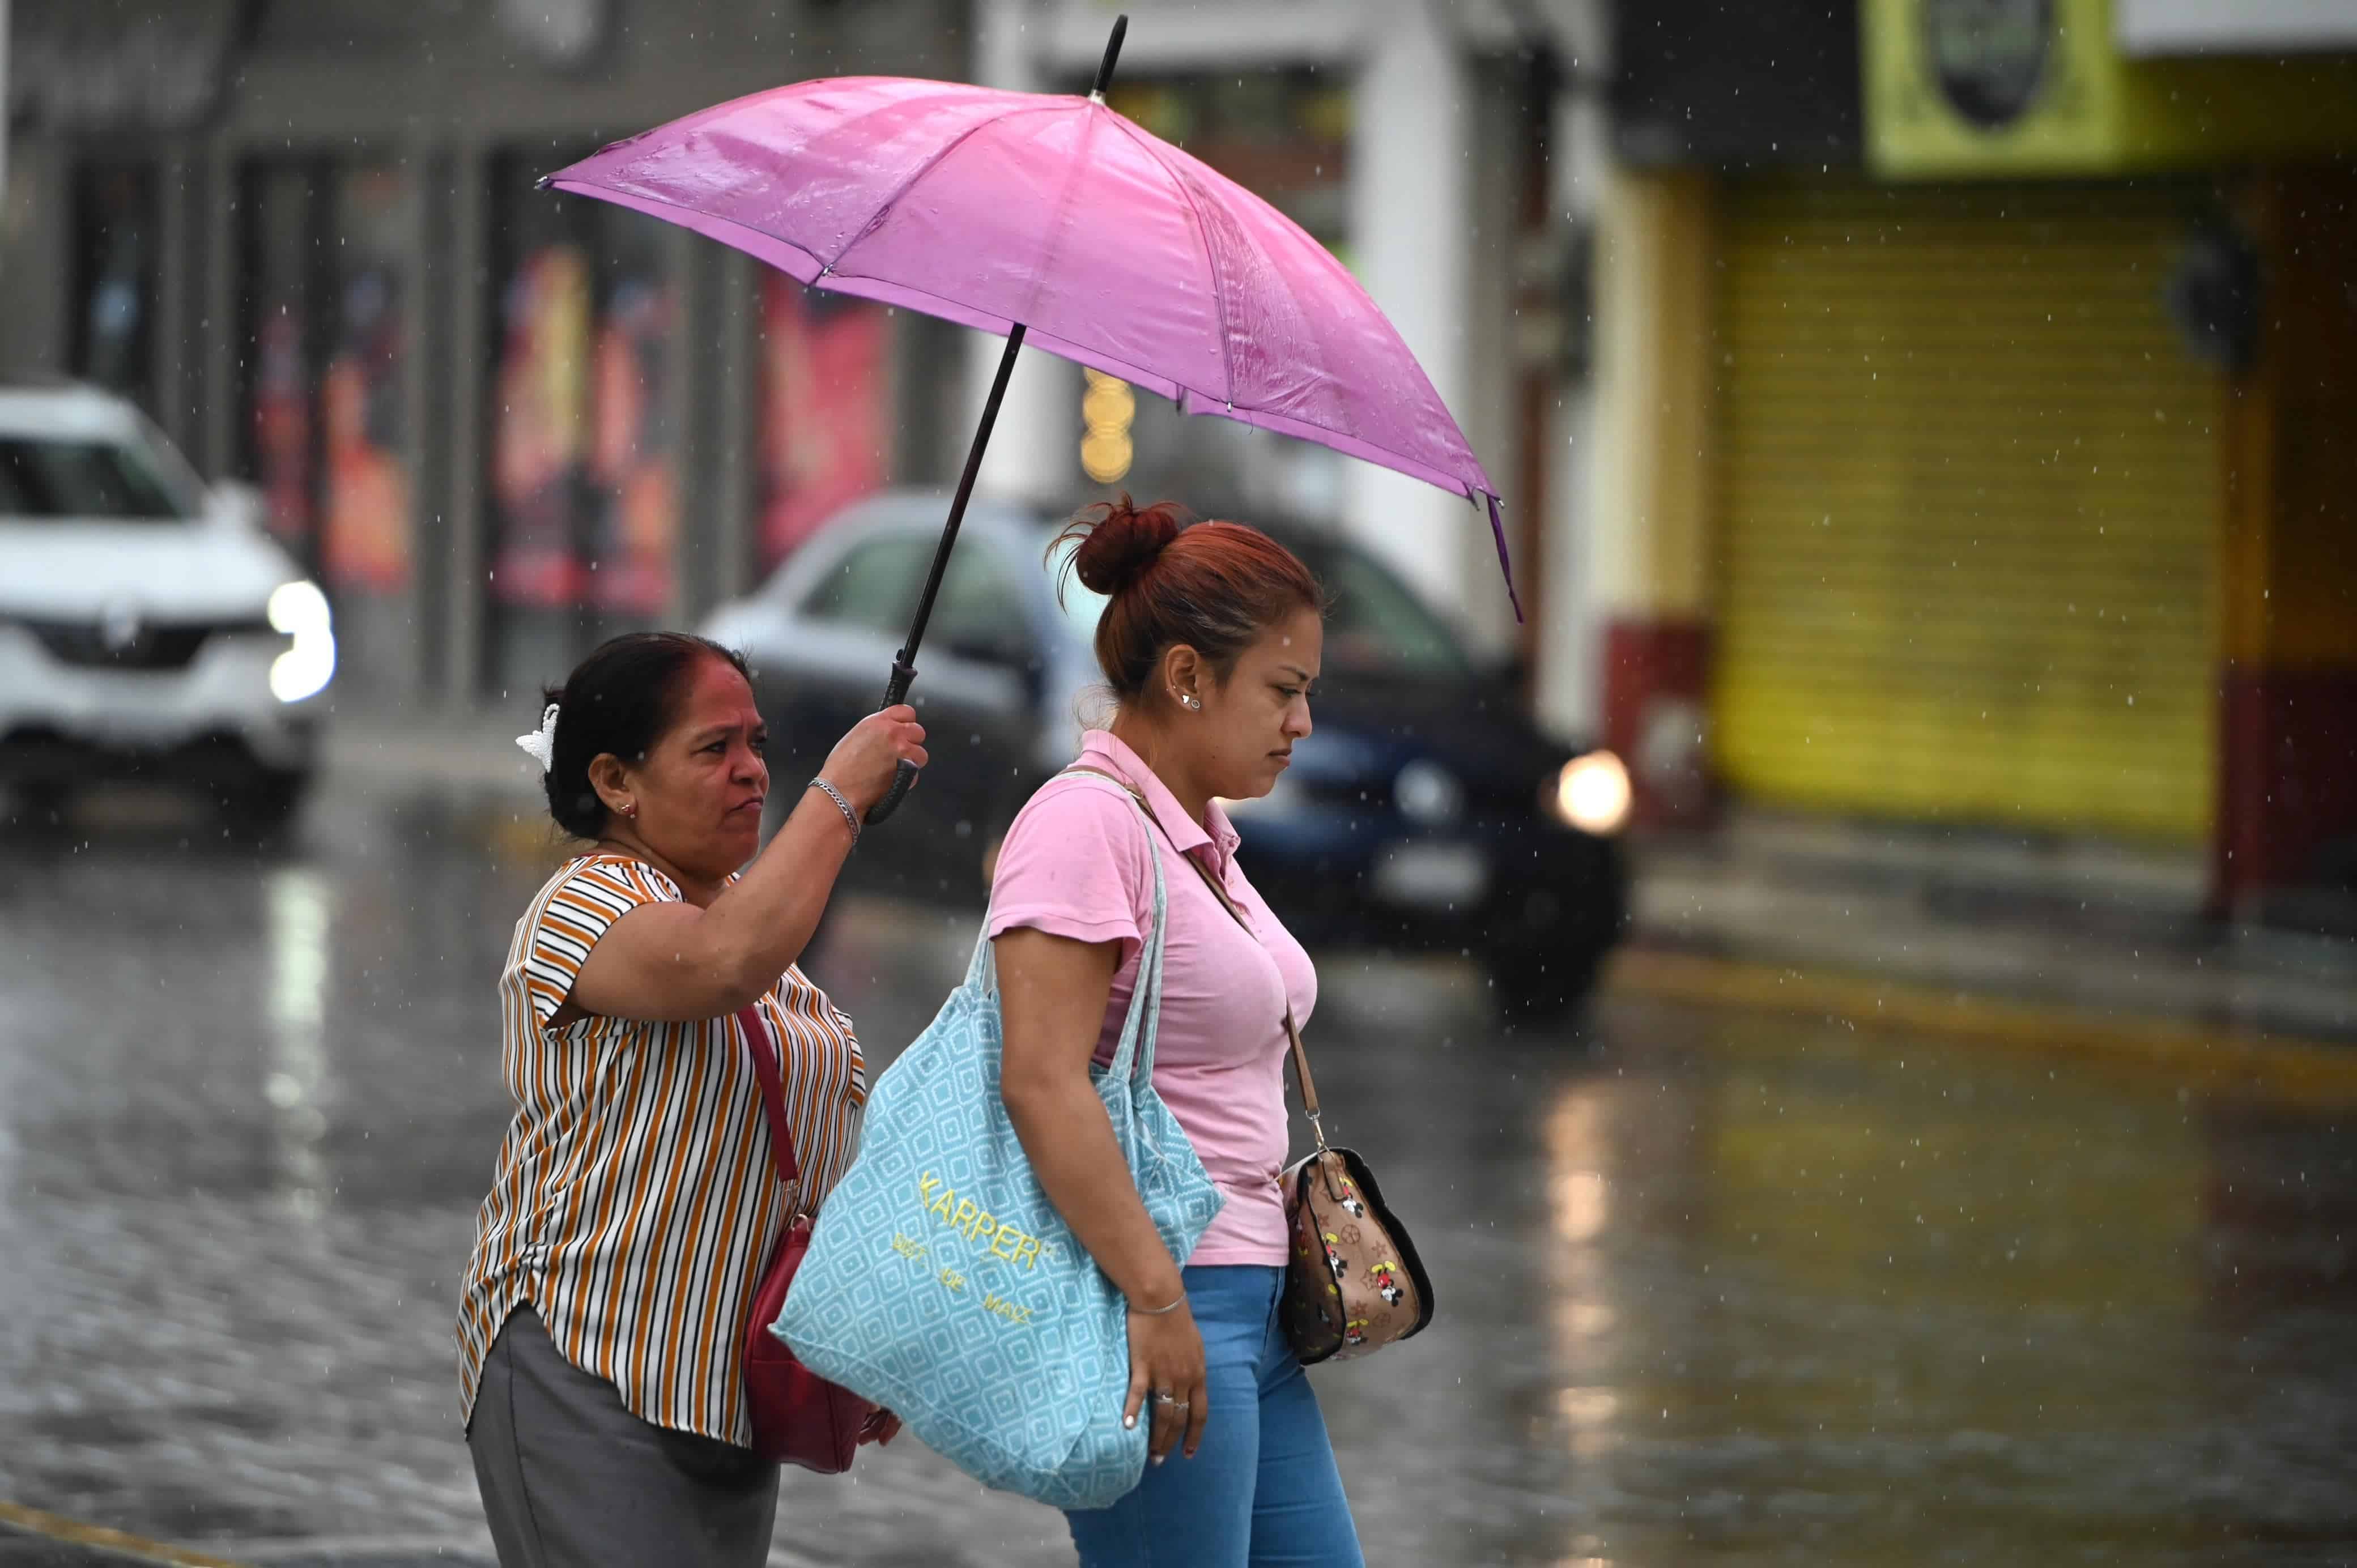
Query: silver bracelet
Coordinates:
[1160,1311]
[835,795]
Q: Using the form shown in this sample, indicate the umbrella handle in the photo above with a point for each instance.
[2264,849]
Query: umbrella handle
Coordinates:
[902,778]
[896,692]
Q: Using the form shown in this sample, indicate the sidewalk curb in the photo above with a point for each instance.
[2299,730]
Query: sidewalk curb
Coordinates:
[2212,1059]
[105,1545]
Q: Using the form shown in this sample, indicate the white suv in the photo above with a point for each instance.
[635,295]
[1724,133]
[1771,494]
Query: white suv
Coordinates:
[148,628]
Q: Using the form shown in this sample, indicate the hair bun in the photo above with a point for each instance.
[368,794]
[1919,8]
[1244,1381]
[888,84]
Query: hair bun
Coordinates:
[1118,544]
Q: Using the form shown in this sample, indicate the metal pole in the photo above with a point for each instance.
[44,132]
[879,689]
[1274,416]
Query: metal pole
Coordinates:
[904,667]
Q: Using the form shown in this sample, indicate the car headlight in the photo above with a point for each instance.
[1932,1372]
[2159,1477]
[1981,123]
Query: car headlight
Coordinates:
[1591,793]
[299,610]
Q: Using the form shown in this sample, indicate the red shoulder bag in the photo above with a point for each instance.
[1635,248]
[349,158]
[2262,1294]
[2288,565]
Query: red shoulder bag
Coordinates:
[799,1418]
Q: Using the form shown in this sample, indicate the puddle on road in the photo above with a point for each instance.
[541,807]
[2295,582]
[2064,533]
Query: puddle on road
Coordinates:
[1713,1289]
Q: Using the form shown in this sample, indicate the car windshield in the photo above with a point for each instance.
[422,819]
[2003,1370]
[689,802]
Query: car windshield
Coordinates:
[44,479]
[1375,626]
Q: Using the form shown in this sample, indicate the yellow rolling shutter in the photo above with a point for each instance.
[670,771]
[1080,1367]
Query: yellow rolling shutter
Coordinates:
[1966,486]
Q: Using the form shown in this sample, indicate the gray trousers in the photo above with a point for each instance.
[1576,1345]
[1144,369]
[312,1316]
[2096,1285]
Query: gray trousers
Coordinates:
[572,1479]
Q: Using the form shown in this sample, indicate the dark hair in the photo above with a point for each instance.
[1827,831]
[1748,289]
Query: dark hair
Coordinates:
[1214,586]
[623,698]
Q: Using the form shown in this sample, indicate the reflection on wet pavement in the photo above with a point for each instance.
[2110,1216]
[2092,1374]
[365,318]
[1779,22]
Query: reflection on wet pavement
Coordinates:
[1712,1289]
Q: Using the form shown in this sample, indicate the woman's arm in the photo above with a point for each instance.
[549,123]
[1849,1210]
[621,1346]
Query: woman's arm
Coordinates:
[671,961]
[1052,995]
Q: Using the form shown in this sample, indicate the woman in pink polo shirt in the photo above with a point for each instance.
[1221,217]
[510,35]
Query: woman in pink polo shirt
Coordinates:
[1212,643]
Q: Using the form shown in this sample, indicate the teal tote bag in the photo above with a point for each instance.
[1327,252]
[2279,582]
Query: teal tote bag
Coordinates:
[943,1286]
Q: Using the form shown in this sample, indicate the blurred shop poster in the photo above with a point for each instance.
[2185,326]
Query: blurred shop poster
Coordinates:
[367,544]
[542,409]
[632,459]
[826,426]
[584,465]
[282,420]
[280,384]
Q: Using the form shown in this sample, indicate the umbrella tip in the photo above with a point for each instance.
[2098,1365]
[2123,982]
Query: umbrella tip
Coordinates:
[1505,566]
[1112,53]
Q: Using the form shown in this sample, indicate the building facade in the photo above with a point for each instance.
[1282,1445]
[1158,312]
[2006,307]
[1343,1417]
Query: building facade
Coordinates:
[1965,401]
[502,424]
[499,424]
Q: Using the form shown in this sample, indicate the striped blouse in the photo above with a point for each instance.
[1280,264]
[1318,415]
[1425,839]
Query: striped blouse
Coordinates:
[634,1201]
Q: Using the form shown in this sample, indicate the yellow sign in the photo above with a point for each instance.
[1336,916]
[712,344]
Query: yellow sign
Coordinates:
[1966,88]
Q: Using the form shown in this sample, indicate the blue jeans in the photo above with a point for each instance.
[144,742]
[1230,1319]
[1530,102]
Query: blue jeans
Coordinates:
[1262,1491]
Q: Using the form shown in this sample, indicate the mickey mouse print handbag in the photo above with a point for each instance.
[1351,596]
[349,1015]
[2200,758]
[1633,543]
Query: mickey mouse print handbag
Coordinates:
[1354,1282]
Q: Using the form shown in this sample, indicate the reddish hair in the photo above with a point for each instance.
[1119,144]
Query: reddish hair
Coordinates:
[1213,586]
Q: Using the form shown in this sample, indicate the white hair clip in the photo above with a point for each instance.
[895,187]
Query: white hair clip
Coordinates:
[541,743]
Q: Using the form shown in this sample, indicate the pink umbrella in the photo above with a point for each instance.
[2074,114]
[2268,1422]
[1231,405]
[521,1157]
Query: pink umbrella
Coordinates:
[1056,223]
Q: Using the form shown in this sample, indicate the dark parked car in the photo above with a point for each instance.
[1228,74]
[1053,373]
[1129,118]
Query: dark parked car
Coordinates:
[1426,811]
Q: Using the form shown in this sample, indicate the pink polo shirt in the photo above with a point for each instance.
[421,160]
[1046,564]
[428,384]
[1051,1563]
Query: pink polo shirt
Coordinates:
[1074,865]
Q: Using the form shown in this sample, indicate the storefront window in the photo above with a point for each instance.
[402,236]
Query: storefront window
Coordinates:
[632,454]
[585,482]
[1284,136]
[369,546]
[826,409]
[116,224]
[327,250]
[281,377]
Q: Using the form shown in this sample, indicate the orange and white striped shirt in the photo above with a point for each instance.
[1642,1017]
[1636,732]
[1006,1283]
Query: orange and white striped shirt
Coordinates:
[634,1200]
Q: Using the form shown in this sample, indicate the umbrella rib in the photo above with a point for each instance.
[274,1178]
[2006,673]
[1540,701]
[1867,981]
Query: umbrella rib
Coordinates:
[600,193]
[1203,234]
[884,208]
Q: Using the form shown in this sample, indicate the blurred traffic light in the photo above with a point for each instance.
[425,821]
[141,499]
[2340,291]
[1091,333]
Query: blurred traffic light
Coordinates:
[1106,410]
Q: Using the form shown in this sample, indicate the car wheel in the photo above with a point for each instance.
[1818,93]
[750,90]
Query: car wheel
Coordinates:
[1542,987]
[261,808]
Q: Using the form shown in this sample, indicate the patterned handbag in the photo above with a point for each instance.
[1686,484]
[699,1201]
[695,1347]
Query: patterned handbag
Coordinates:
[941,1282]
[1353,1283]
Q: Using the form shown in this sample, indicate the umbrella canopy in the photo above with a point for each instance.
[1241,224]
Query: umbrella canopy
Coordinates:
[1054,214]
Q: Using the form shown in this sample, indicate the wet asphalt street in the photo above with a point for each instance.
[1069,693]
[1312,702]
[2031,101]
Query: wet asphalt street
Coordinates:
[1713,1289]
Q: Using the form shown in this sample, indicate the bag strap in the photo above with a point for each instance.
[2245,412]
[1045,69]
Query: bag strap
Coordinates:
[1132,1056]
[762,1047]
[1292,1030]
